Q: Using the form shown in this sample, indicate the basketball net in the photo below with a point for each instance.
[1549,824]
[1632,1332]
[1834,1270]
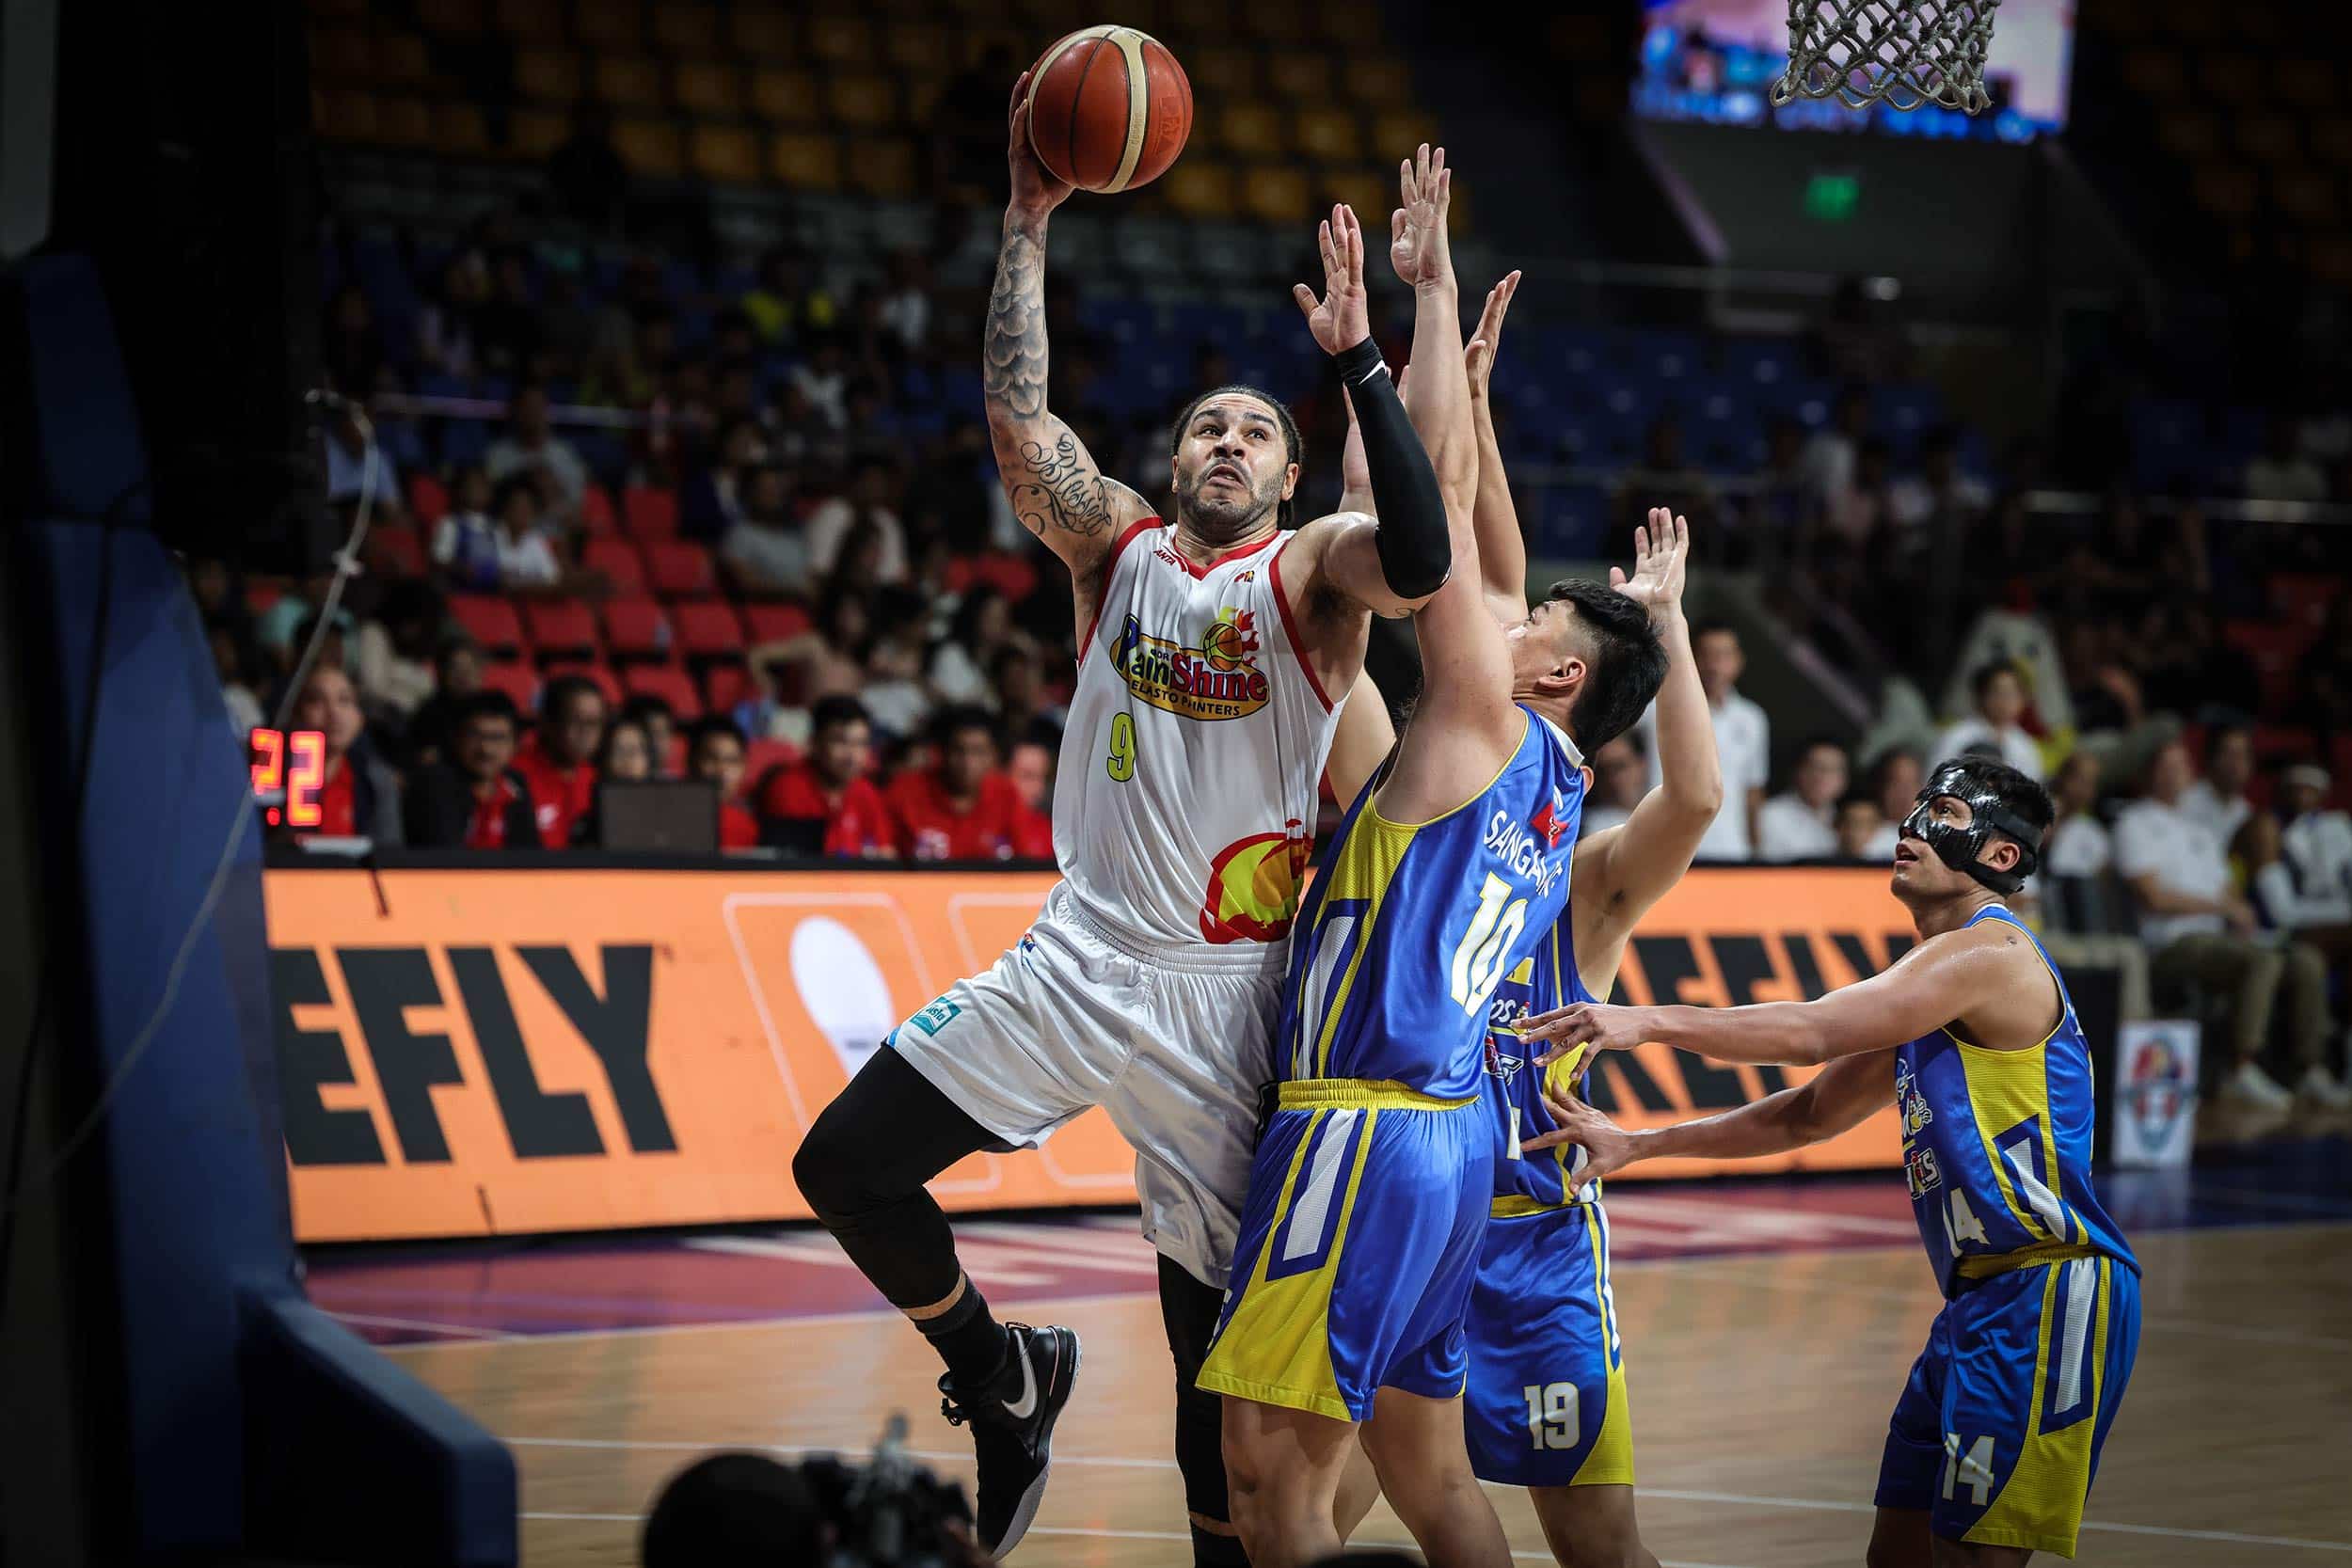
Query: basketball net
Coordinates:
[1902,52]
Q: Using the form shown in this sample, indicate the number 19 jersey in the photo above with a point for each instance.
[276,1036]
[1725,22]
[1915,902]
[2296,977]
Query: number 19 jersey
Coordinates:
[1411,926]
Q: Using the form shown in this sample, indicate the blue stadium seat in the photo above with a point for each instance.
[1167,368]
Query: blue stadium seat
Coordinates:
[1770,361]
[464,441]
[1571,522]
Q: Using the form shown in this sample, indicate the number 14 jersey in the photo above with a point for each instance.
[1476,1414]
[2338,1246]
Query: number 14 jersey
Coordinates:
[1411,926]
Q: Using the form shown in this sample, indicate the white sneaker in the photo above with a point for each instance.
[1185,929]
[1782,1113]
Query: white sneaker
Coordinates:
[2250,1088]
[2319,1088]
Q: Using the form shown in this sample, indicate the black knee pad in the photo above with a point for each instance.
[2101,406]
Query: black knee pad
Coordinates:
[1189,1310]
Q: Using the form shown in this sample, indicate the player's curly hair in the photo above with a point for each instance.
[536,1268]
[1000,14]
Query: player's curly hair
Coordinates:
[1294,444]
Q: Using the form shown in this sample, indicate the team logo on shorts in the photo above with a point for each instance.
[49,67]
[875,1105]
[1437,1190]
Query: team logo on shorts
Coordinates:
[934,1018]
[1253,886]
[1219,679]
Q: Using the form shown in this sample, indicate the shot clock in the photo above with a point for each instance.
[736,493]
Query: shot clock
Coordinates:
[289,765]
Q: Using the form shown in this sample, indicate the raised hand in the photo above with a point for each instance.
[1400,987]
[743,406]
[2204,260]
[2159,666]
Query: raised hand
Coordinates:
[1035,191]
[1479,358]
[1341,318]
[1418,247]
[1661,548]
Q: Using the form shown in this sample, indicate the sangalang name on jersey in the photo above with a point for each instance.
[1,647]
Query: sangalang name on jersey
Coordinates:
[1219,679]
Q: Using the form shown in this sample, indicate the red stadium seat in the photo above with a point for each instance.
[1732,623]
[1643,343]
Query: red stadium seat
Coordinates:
[518,681]
[398,552]
[2303,598]
[428,499]
[595,510]
[763,758]
[607,682]
[774,622]
[726,685]
[679,568]
[489,621]
[708,628]
[649,513]
[667,682]
[1009,574]
[636,630]
[618,560]
[560,628]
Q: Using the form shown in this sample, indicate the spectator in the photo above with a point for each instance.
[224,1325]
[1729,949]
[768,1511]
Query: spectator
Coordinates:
[2313,939]
[559,762]
[445,324]
[654,716]
[1023,712]
[1895,781]
[1030,767]
[276,628]
[396,650]
[894,693]
[823,379]
[825,804]
[2219,797]
[1831,455]
[906,307]
[1620,779]
[712,502]
[764,553]
[474,801]
[963,807]
[1861,828]
[2312,889]
[465,541]
[2198,929]
[1855,533]
[714,753]
[2000,695]
[1800,823]
[783,304]
[350,452]
[868,503]
[2077,855]
[2281,472]
[457,675]
[626,757]
[239,665]
[532,447]
[1939,491]
[735,1509]
[1743,741]
[358,793]
[983,624]
[826,660]
[522,559]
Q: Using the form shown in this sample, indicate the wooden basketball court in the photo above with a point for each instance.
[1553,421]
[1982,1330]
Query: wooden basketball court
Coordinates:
[1761,1384]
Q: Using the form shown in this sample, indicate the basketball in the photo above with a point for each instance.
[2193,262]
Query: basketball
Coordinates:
[1109,109]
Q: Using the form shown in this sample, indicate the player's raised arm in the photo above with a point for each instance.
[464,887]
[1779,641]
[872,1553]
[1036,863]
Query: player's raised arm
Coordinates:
[1361,741]
[1056,489]
[1501,548]
[1841,1096]
[1989,974]
[1622,871]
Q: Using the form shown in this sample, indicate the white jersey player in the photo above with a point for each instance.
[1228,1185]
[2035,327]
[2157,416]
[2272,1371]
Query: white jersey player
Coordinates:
[1214,645]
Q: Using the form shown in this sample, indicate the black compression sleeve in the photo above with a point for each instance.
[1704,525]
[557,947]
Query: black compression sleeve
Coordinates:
[1416,552]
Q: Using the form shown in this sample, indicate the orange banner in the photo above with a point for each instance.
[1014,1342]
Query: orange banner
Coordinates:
[531,1050]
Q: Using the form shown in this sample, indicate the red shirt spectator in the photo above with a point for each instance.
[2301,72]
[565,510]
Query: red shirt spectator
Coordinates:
[826,806]
[470,798]
[715,755]
[356,794]
[338,816]
[487,829]
[558,763]
[965,808]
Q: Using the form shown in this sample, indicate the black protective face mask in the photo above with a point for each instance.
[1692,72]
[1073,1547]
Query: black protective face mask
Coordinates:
[1959,847]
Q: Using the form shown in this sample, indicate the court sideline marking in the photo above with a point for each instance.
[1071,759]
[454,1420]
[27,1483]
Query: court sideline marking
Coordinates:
[1671,1494]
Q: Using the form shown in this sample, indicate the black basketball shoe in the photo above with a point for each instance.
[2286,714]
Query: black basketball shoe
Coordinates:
[1012,1428]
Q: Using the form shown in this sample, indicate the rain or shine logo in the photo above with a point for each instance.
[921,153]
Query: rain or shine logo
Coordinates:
[1219,679]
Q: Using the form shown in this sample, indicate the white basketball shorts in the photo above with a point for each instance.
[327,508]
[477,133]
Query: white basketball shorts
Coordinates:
[1176,1045]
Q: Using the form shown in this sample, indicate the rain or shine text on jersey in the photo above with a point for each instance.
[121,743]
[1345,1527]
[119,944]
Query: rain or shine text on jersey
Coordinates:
[1410,928]
[1545,979]
[1996,1147]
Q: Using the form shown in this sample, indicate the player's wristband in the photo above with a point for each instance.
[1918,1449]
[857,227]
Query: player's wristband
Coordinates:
[1416,552]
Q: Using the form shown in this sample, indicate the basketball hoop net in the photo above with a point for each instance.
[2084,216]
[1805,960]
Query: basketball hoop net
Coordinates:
[1902,52]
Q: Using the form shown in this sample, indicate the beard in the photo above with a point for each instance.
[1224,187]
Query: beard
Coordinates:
[1224,517]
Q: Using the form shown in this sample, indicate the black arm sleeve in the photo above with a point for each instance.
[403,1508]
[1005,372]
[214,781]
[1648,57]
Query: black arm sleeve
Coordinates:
[1416,550]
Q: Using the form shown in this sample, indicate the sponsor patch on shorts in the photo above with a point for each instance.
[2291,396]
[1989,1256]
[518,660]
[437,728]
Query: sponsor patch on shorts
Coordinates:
[934,1018]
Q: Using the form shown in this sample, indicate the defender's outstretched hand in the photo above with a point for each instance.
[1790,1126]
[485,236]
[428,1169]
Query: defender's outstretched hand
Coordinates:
[1589,1024]
[1479,358]
[1417,247]
[1034,190]
[1607,1146]
[1341,318]
[1662,549]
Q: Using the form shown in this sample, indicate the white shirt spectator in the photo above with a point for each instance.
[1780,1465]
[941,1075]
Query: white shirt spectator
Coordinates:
[958,677]
[828,529]
[1744,750]
[2017,748]
[2224,817]
[2079,846]
[347,473]
[525,562]
[1882,844]
[2311,883]
[386,677]
[1911,501]
[769,558]
[2284,478]
[1788,830]
[826,393]
[1596,819]
[508,455]
[1826,465]
[908,314]
[2179,849]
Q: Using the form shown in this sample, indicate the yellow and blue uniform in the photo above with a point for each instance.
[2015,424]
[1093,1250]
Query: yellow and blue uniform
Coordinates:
[1369,1192]
[1997,1433]
[1546,1403]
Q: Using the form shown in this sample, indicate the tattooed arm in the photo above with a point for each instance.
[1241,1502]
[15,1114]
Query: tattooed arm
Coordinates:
[1049,475]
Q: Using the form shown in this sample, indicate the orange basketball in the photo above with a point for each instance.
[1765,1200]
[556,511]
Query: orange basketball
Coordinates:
[1109,109]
